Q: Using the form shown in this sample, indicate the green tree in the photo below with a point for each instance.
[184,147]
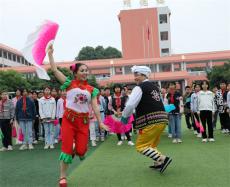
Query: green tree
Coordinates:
[89,53]
[219,73]
[11,80]
[86,53]
[111,52]
[92,81]
[53,82]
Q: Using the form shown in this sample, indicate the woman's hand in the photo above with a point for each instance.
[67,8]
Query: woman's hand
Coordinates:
[103,126]
[50,49]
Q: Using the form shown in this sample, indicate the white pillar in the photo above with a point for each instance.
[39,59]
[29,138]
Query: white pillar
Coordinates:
[185,68]
[123,70]
[159,83]
[157,68]
[183,86]
[182,66]
[172,67]
[185,82]
[210,64]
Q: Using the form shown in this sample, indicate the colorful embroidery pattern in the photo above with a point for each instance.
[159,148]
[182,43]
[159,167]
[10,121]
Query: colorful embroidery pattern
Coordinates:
[151,118]
[81,99]
[155,95]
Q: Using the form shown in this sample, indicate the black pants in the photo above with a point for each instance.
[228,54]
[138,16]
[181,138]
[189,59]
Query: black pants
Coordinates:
[224,120]
[126,134]
[36,128]
[206,117]
[60,121]
[187,119]
[194,117]
[6,128]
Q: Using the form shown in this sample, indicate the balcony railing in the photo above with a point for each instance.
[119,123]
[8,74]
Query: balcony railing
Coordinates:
[197,73]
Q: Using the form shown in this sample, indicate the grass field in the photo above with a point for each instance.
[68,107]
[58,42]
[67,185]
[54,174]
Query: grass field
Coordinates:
[195,164]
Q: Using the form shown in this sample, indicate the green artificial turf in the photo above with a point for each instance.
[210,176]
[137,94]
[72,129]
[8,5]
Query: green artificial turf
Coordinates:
[195,164]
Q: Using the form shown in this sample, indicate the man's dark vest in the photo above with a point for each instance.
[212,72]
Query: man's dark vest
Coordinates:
[150,109]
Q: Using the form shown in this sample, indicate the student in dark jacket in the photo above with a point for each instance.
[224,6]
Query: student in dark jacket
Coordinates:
[25,114]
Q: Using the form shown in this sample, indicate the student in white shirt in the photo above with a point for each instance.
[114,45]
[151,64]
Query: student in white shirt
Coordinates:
[47,112]
[206,110]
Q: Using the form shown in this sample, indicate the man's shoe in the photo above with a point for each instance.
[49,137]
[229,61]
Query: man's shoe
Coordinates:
[156,166]
[167,161]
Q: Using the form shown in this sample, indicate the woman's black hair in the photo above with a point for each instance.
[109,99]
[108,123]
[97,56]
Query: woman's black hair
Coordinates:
[205,81]
[117,86]
[75,67]
[47,87]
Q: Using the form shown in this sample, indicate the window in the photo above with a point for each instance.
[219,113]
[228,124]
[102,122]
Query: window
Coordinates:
[163,18]
[4,54]
[164,35]
[164,67]
[14,57]
[165,50]
[9,56]
[18,59]
[0,53]
[177,66]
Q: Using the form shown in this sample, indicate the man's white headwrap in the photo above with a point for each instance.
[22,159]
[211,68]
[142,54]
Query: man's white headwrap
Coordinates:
[141,69]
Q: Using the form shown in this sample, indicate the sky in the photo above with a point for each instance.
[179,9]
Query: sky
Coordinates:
[196,25]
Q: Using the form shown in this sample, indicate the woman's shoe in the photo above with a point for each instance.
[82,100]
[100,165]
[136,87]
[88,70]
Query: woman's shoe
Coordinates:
[62,182]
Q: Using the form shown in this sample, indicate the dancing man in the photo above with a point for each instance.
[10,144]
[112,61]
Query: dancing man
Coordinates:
[151,118]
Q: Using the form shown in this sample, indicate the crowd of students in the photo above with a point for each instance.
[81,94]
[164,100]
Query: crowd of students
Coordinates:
[33,116]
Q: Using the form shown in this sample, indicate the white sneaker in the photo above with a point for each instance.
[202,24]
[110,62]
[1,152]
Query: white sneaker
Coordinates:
[131,143]
[226,130]
[119,143]
[35,142]
[170,135]
[18,142]
[195,132]
[46,146]
[223,131]
[102,139]
[204,140]
[51,146]
[211,140]
[31,146]
[3,149]
[23,147]
[10,148]
[174,141]
[56,141]
[179,141]
[93,143]
[199,135]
